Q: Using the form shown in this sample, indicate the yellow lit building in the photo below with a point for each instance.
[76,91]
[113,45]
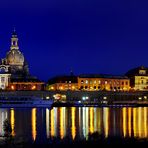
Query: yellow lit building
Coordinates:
[63,83]
[91,82]
[138,78]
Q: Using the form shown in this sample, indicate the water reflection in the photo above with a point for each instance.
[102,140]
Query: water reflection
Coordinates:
[12,121]
[33,117]
[73,127]
[3,117]
[106,121]
[76,122]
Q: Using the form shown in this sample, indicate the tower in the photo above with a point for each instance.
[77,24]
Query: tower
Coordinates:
[14,40]
[15,59]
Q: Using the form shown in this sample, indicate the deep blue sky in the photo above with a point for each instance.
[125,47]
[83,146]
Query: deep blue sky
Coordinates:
[89,36]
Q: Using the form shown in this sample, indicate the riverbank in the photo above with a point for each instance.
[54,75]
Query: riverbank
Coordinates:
[94,141]
[84,98]
[92,104]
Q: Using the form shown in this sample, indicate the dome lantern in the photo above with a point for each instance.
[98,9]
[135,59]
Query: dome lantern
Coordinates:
[14,55]
[14,40]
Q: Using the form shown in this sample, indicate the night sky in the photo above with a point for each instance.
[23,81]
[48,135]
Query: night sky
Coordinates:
[87,36]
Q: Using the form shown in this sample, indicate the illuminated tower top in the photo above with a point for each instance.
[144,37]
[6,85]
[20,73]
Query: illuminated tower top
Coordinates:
[14,40]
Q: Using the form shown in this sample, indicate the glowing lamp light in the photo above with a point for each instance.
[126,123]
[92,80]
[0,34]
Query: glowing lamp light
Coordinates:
[61,87]
[83,98]
[12,87]
[47,97]
[33,87]
[52,87]
[145,97]
[86,98]
[104,98]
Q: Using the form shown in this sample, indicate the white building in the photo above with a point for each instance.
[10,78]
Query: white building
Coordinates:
[4,76]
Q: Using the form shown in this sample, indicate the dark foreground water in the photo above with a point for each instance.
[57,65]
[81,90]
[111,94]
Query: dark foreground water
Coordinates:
[76,122]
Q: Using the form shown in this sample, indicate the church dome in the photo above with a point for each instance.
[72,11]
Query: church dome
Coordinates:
[15,57]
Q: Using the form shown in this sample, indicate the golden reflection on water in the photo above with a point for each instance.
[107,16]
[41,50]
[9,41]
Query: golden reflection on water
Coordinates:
[52,123]
[106,121]
[62,121]
[91,119]
[33,119]
[124,110]
[12,121]
[145,122]
[137,122]
[73,127]
[134,122]
[129,121]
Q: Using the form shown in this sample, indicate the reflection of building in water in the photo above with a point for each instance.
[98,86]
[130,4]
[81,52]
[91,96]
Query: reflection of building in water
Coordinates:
[73,126]
[62,123]
[53,125]
[135,121]
[73,122]
[47,122]
[33,120]
[106,121]
[91,120]
[12,121]
[3,117]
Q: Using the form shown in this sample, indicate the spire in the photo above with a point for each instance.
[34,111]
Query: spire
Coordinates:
[71,72]
[14,40]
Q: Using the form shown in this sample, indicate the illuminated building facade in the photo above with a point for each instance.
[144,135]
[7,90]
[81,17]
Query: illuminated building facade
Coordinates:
[63,83]
[23,83]
[89,82]
[4,77]
[138,78]
[95,82]
[14,71]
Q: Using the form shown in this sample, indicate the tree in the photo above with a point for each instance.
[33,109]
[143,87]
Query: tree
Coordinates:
[7,129]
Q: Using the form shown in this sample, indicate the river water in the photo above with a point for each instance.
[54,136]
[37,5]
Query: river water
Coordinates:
[76,122]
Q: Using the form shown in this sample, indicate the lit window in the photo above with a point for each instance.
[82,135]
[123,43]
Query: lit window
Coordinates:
[99,82]
[69,81]
[82,81]
[61,87]
[52,87]
[90,82]
[86,81]
[95,82]
[105,82]
[12,87]
[33,87]
[2,79]
[142,71]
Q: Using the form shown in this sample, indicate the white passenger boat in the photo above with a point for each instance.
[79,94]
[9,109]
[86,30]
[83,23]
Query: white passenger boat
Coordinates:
[25,102]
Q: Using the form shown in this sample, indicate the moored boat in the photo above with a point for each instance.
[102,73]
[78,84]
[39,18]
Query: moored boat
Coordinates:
[25,102]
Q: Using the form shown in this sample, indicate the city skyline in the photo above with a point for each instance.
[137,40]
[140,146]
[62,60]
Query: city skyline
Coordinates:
[87,37]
